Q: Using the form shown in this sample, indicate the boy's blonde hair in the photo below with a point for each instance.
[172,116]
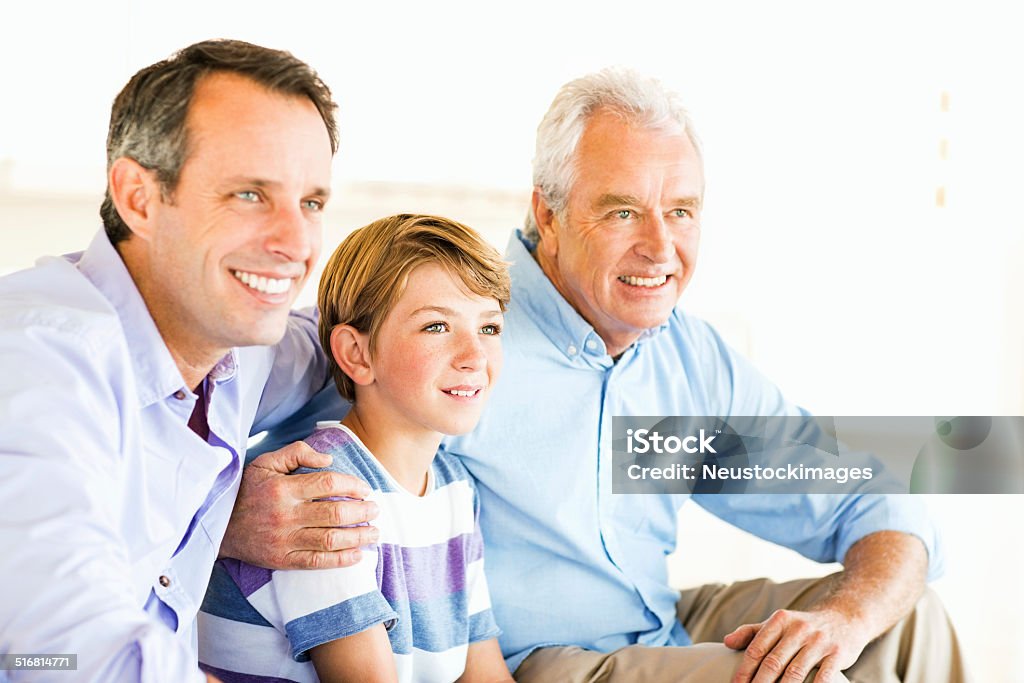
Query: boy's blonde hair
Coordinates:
[369,270]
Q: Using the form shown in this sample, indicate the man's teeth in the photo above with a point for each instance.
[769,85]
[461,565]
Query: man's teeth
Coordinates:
[643,281]
[267,285]
[459,392]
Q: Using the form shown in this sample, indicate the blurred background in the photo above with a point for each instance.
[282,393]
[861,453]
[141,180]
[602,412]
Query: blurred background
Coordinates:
[862,239]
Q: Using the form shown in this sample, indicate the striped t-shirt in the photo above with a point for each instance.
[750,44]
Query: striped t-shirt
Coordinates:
[424,581]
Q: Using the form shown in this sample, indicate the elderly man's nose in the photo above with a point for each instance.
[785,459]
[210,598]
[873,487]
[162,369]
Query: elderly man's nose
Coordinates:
[656,240]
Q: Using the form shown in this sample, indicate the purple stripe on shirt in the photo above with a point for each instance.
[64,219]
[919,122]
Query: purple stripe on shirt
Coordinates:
[247,577]
[234,677]
[328,440]
[428,572]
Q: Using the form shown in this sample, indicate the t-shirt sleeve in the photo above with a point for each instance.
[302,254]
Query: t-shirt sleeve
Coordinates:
[482,625]
[321,605]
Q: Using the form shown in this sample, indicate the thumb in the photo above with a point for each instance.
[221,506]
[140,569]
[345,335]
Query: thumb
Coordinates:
[741,637]
[291,457]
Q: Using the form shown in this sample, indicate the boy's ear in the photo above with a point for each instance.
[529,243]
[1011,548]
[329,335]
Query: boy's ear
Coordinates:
[351,351]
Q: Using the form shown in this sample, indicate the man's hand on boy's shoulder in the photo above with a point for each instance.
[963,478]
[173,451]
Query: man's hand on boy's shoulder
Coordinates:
[281,521]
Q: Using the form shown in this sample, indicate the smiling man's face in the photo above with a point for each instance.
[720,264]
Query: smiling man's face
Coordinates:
[237,239]
[626,246]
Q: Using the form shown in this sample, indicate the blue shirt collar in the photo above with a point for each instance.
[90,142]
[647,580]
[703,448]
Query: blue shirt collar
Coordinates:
[538,297]
[156,375]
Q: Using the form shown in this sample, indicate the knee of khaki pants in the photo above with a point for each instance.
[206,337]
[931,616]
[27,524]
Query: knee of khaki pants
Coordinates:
[701,663]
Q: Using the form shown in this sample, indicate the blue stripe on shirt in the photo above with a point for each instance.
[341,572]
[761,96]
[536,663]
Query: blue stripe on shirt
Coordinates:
[337,621]
[225,599]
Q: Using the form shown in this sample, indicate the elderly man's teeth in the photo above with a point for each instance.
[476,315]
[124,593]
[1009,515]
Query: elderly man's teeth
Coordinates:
[260,283]
[458,392]
[643,281]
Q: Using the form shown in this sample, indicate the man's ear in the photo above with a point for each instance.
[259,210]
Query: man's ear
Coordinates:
[546,223]
[134,191]
[351,351]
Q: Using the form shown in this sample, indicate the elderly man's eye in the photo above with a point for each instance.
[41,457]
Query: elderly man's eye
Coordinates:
[681,213]
[623,214]
[248,196]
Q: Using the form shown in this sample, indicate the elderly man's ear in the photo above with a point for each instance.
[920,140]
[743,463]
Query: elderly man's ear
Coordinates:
[546,223]
[134,190]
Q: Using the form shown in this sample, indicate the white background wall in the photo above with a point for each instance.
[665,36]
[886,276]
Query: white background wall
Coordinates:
[825,257]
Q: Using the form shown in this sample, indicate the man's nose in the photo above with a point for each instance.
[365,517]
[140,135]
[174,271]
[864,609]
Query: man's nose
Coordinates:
[655,243]
[293,236]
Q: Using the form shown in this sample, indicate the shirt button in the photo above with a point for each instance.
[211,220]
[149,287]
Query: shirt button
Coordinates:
[591,344]
[179,394]
[165,581]
[571,350]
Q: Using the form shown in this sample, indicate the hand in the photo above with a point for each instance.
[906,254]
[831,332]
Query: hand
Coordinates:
[279,523]
[789,644]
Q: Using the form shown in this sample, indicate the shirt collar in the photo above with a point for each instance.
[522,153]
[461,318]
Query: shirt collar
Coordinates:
[534,292]
[156,375]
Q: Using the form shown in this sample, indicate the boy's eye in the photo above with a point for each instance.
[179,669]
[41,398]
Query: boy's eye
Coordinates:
[436,327]
[492,329]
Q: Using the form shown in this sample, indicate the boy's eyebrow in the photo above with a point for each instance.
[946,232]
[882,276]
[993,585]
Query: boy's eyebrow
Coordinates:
[447,311]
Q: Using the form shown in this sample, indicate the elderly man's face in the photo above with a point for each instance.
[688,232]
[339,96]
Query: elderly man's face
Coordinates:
[231,248]
[627,245]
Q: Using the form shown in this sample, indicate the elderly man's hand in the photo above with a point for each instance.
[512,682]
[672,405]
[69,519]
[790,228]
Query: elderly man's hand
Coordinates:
[279,521]
[789,644]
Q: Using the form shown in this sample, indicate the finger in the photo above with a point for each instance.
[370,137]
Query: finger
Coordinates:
[310,559]
[829,671]
[775,665]
[291,457]
[741,637]
[327,484]
[335,513]
[809,657]
[762,643]
[332,540]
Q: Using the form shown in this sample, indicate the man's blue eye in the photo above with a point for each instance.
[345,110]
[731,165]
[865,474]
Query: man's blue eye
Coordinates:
[623,213]
[248,195]
[313,204]
[682,213]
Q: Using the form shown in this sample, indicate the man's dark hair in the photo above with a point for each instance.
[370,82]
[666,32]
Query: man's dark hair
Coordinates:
[147,121]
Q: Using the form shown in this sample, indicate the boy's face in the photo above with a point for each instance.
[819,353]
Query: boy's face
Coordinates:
[437,356]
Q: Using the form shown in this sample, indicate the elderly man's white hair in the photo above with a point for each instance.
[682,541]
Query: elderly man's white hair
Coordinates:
[639,99]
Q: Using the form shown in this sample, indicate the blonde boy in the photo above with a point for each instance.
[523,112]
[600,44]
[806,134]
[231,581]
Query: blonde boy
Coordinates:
[411,312]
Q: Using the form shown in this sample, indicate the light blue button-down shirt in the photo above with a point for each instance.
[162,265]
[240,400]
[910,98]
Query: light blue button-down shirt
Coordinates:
[568,562]
[113,509]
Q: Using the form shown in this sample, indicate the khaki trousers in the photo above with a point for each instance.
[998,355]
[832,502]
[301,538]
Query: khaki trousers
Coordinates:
[921,648]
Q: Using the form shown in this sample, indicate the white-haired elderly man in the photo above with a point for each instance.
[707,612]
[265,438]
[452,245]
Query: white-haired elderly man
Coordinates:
[578,574]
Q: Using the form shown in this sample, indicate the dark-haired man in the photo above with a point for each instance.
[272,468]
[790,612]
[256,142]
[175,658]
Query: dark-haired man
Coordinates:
[133,371]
